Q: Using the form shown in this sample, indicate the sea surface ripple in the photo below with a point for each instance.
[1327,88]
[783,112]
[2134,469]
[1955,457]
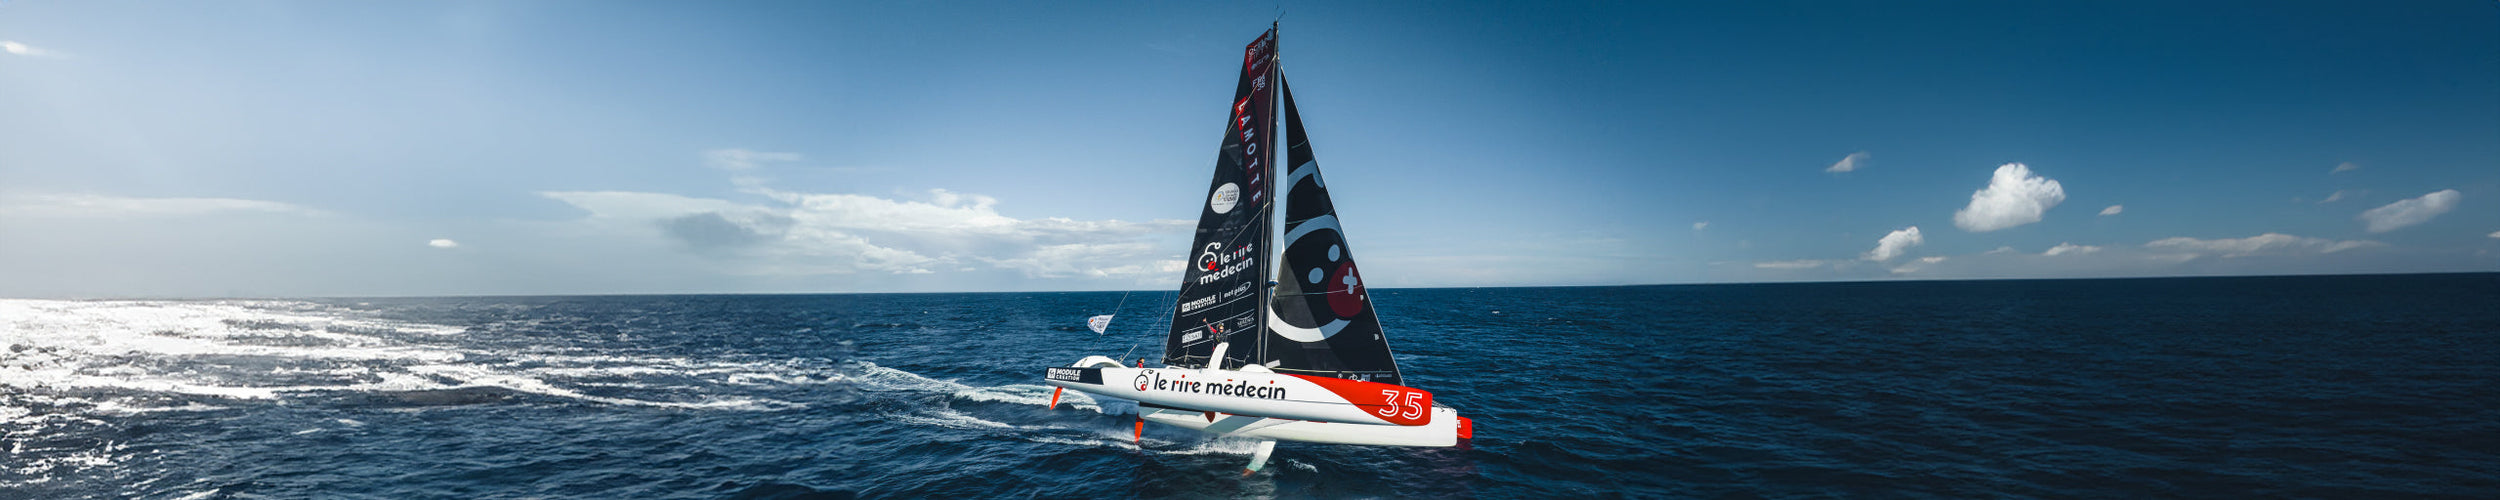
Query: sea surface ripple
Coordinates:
[2336,386]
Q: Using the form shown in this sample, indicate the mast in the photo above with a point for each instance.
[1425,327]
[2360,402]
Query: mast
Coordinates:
[1275,209]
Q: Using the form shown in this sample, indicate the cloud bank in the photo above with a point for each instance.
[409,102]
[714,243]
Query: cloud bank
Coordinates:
[2409,212]
[2263,244]
[1790,264]
[2013,197]
[802,234]
[2268,253]
[96,205]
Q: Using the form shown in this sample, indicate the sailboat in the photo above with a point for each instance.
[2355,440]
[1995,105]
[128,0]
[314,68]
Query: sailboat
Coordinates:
[1267,344]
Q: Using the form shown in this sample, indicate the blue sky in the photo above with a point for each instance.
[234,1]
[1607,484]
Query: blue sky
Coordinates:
[326,148]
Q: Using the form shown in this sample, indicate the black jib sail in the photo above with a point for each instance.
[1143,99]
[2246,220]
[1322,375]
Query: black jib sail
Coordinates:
[1222,295]
[1323,322]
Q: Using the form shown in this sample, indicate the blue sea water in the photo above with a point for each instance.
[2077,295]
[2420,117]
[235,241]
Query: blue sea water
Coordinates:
[2337,386]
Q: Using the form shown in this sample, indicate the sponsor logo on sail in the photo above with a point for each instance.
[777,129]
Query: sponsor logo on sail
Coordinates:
[1187,307]
[1217,264]
[1226,197]
[1238,291]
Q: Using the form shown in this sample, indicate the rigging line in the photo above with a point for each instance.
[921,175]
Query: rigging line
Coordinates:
[1115,312]
[1160,330]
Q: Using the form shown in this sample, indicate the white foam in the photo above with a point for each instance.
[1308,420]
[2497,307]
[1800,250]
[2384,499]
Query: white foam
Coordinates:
[126,346]
[1217,446]
[1098,443]
[879,378]
[43,469]
[949,418]
[115,407]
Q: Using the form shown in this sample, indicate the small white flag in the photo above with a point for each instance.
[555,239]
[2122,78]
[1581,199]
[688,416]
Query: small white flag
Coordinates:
[1098,323]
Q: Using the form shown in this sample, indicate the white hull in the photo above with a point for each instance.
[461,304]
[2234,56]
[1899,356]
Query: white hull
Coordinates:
[1274,406]
[1443,431]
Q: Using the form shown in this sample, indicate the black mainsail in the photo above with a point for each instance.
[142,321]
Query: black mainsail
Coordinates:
[1322,321]
[1222,296]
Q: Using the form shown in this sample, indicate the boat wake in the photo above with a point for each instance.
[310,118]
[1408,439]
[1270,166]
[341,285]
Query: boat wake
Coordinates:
[130,356]
[75,375]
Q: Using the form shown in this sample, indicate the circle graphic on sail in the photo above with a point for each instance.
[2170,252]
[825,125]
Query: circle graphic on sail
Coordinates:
[1316,250]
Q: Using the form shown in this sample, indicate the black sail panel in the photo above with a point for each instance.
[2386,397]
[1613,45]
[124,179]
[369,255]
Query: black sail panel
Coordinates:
[1222,293]
[1322,322]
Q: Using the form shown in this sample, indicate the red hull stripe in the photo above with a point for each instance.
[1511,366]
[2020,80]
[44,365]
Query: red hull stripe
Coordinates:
[1395,404]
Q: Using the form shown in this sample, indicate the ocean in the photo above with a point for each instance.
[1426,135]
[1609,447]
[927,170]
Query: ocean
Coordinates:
[2327,386]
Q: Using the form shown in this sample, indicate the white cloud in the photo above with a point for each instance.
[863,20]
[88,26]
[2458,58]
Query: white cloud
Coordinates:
[2494,235]
[2410,211]
[2344,167]
[2013,197]
[22,49]
[2263,244]
[2336,196]
[739,159]
[442,243]
[2113,210]
[1697,226]
[1848,163]
[96,205]
[2063,248]
[1894,243]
